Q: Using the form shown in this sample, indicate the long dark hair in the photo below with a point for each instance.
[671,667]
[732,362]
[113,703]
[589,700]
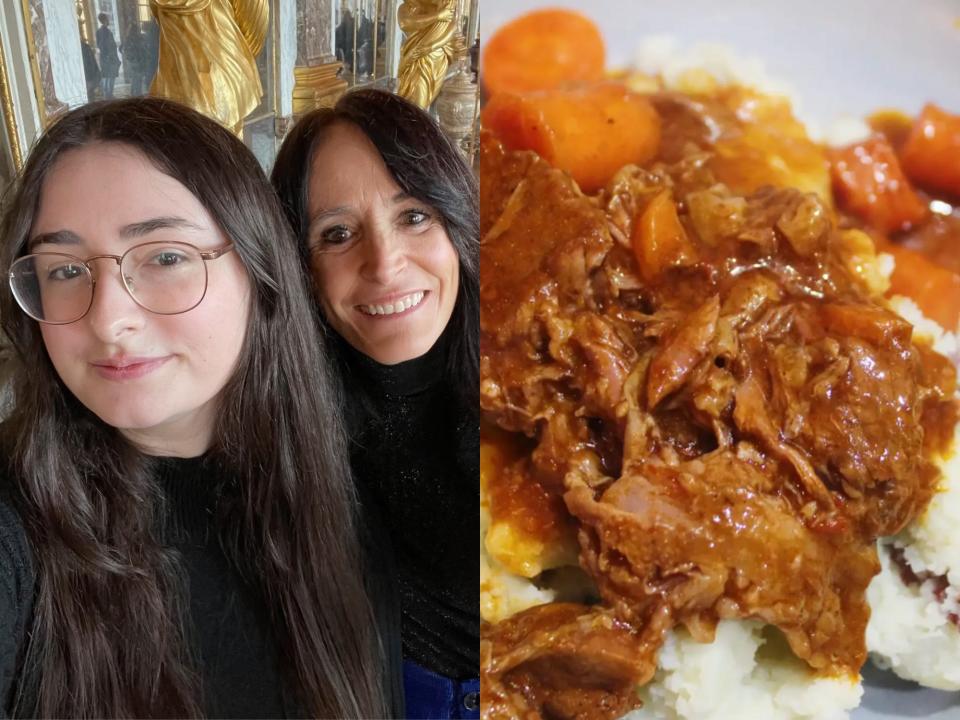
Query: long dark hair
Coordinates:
[426,166]
[107,637]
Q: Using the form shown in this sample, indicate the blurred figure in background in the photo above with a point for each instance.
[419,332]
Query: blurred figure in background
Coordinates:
[134,51]
[109,59]
[91,71]
[343,38]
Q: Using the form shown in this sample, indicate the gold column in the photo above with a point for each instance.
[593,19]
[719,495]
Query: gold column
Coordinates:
[427,51]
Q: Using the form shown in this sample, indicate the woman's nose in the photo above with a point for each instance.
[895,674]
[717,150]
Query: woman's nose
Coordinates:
[114,312]
[384,256]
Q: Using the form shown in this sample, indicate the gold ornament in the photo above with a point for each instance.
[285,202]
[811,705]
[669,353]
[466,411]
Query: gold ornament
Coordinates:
[427,51]
[253,19]
[208,55]
[317,86]
[9,116]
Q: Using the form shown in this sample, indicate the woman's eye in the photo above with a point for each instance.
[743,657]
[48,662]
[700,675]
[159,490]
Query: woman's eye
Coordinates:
[336,235]
[415,217]
[167,259]
[65,272]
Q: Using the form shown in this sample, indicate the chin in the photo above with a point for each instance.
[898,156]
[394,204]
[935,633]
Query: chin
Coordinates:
[131,418]
[398,352]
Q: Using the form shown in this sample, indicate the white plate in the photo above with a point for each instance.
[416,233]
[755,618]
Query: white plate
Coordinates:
[845,57]
[840,56]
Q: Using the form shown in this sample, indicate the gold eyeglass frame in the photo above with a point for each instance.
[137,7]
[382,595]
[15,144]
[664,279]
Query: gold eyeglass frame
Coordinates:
[204,255]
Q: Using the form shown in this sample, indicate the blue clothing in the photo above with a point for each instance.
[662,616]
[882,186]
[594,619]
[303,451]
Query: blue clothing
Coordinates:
[434,697]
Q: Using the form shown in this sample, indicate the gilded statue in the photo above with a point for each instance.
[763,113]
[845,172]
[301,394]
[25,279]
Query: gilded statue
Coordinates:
[208,55]
[427,51]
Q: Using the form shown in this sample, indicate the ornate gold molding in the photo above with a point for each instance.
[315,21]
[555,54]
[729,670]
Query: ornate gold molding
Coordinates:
[427,51]
[87,31]
[34,63]
[317,86]
[9,117]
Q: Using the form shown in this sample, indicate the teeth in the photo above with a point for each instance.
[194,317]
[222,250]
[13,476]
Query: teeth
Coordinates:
[392,308]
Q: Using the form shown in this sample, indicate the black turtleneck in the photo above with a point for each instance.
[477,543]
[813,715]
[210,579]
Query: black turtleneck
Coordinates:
[416,457]
[228,629]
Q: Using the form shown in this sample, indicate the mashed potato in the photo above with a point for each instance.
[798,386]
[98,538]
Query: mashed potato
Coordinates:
[910,631]
[746,672]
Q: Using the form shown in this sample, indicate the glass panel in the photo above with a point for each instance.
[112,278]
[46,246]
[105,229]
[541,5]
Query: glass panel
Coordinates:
[360,39]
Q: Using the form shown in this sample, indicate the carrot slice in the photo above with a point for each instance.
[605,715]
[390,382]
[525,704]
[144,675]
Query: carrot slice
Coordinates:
[589,131]
[869,182]
[931,154]
[934,289]
[659,240]
[542,50]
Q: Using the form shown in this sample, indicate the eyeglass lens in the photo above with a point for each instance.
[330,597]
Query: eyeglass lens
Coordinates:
[164,278]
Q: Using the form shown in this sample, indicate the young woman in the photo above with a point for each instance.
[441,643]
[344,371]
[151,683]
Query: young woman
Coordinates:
[177,533]
[387,215]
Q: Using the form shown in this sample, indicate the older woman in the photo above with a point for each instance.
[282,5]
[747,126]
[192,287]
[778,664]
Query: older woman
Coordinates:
[387,215]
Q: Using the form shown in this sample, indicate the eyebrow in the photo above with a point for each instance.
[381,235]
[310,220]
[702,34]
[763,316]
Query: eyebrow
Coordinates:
[59,237]
[328,213]
[139,229]
[399,197]
[133,230]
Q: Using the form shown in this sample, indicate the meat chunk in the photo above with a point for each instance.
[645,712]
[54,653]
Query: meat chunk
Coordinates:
[565,662]
[710,540]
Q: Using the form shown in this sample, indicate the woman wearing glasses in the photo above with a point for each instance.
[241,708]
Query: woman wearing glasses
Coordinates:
[177,530]
[387,215]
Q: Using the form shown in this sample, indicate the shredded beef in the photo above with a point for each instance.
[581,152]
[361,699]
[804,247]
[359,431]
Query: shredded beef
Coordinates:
[729,436]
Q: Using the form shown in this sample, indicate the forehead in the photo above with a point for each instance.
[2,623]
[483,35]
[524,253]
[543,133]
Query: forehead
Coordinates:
[101,187]
[348,170]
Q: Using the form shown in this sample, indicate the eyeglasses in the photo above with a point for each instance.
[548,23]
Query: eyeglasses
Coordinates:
[166,278]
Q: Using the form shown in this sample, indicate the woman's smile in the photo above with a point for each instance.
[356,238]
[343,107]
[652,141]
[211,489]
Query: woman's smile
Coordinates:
[394,308]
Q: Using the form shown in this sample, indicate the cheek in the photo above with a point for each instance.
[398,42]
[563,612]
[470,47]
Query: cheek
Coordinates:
[222,324]
[331,275]
[440,259]
[211,335]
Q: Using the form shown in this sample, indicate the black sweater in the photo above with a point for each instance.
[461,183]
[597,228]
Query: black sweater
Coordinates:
[228,629]
[17,577]
[416,456]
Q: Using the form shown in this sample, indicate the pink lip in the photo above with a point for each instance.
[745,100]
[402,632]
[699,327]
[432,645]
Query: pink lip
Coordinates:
[127,368]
